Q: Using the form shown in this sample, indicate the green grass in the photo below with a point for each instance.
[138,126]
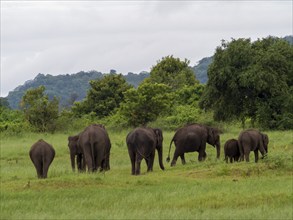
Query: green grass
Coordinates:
[208,190]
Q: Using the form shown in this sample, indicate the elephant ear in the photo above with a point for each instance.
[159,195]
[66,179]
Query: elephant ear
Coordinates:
[157,132]
[210,136]
[159,135]
[213,135]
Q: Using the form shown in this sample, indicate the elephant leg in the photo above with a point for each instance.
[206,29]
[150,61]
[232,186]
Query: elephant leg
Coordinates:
[108,161]
[138,160]
[262,149]
[204,155]
[89,161]
[202,152]
[182,156]
[46,165]
[103,165]
[72,158]
[78,162]
[39,168]
[241,152]
[201,155]
[246,154]
[83,163]
[175,157]
[151,162]
[146,162]
[231,159]
[100,161]
[45,169]
[226,158]
[132,160]
[256,156]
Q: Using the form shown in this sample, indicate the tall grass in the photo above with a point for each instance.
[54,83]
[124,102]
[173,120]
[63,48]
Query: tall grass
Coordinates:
[198,190]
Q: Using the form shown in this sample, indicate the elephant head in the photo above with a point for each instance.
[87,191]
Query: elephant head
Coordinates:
[214,139]
[159,145]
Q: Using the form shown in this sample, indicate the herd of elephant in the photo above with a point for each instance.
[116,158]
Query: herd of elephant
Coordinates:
[91,148]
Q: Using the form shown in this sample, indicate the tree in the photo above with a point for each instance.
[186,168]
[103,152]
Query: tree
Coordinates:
[104,96]
[39,111]
[172,72]
[146,103]
[250,80]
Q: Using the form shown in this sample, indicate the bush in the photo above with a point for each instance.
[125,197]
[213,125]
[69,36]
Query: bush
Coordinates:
[184,114]
[13,122]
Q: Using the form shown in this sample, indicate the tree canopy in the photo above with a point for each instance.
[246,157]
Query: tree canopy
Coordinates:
[146,103]
[39,111]
[251,80]
[172,72]
[104,96]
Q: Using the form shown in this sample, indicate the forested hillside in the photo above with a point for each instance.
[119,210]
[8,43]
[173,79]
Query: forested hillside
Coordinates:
[67,88]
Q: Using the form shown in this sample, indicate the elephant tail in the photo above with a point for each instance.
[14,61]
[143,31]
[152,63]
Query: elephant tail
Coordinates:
[168,158]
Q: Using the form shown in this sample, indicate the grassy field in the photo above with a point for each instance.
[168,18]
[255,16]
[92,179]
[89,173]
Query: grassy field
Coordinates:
[208,190]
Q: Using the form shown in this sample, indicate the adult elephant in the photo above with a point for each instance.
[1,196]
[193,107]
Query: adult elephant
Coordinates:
[193,137]
[252,140]
[76,152]
[95,144]
[42,155]
[142,143]
[231,150]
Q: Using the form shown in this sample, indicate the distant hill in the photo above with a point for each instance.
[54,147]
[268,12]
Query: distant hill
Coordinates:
[289,39]
[68,88]
[201,69]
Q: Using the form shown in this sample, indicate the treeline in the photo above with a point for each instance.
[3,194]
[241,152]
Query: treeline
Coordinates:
[250,82]
[69,88]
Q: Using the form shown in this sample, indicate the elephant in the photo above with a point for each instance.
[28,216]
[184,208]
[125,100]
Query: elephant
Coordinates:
[95,144]
[193,137]
[142,143]
[231,150]
[76,151]
[42,155]
[252,140]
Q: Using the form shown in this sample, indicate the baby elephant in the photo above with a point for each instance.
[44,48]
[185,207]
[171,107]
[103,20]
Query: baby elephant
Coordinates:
[42,155]
[231,150]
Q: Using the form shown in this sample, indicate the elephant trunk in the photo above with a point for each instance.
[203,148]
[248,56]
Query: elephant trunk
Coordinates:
[160,153]
[72,157]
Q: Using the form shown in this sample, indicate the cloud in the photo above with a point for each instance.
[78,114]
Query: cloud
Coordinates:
[129,36]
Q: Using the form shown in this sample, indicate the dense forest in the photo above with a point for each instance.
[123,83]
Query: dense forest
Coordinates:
[248,82]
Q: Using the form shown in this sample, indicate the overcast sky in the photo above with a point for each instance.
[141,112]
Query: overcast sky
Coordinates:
[128,36]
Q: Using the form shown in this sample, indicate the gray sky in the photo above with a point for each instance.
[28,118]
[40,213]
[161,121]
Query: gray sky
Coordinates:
[128,36]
